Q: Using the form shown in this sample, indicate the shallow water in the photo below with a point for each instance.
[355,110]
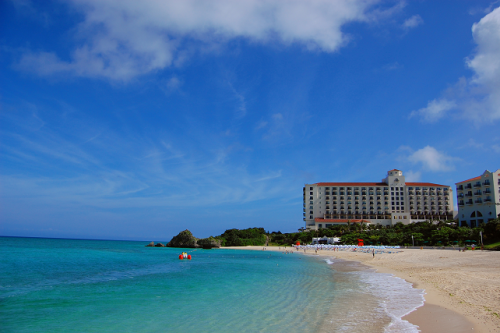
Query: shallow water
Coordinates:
[56,285]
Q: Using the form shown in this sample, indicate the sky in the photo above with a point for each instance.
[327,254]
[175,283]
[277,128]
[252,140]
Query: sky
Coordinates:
[137,120]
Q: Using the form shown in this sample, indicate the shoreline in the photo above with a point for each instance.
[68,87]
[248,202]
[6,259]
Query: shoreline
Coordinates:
[462,289]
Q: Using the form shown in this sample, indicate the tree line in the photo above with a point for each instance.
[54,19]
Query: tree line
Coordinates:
[443,233]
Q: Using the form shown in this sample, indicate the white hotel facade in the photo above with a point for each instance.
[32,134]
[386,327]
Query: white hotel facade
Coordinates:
[479,199]
[388,202]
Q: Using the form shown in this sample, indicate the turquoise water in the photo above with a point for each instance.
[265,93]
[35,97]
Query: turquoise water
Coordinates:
[57,285]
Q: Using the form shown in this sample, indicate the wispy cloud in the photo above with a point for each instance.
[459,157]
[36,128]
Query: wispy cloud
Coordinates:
[435,110]
[110,171]
[413,176]
[413,22]
[120,40]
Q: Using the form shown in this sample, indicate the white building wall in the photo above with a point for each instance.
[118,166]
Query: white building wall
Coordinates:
[384,203]
[479,199]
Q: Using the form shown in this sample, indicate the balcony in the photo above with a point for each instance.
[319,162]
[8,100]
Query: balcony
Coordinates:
[477,193]
[469,202]
[487,191]
[478,184]
[460,188]
[461,195]
[468,186]
[478,201]
[487,200]
[486,183]
[468,194]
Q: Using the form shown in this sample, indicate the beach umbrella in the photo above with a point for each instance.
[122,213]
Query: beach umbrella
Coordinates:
[468,241]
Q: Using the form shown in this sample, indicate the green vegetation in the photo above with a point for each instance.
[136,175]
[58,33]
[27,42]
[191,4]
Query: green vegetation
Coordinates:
[444,233]
[493,246]
[235,237]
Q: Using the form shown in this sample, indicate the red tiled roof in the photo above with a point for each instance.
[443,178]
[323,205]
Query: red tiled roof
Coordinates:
[376,184]
[320,219]
[394,170]
[469,180]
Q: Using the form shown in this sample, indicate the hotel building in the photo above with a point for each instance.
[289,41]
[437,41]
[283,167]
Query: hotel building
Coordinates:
[479,199]
[388,202]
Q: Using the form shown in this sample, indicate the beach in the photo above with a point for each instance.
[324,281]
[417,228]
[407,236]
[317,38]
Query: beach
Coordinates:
[462,289]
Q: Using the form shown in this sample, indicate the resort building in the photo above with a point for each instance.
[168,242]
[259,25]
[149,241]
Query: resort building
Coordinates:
[388,202]
[479,199]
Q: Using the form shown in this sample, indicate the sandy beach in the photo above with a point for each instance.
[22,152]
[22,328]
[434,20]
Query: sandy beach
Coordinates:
[462,288]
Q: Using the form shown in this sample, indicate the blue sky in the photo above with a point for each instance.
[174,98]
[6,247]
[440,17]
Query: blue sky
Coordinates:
[136,120]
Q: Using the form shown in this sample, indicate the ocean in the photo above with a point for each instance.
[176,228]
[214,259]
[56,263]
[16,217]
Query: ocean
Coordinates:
[62,285]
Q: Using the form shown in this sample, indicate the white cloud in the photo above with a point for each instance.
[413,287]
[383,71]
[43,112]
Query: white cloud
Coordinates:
[486,65]
[496,148]
[435,110]
[432,159]
[476,98]
[174,83]
[413,22]
[411,176]
[122,39]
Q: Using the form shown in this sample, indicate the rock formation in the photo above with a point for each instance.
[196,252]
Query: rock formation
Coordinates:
[185,239]
[151,244]
[208,243]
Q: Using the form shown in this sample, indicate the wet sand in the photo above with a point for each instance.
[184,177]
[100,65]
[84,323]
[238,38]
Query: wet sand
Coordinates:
[462,288]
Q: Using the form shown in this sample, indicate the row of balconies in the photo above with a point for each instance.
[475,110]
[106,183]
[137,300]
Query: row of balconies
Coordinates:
[427,193]
[478,192]
[353,212]
[471,202]
[476,185]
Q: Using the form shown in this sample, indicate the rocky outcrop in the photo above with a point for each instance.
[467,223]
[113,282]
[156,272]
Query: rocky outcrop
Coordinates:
[159,245]
[151,244]
[209,243]
[183,239]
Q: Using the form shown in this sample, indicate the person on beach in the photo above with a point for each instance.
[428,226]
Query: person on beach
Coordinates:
[373,252]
